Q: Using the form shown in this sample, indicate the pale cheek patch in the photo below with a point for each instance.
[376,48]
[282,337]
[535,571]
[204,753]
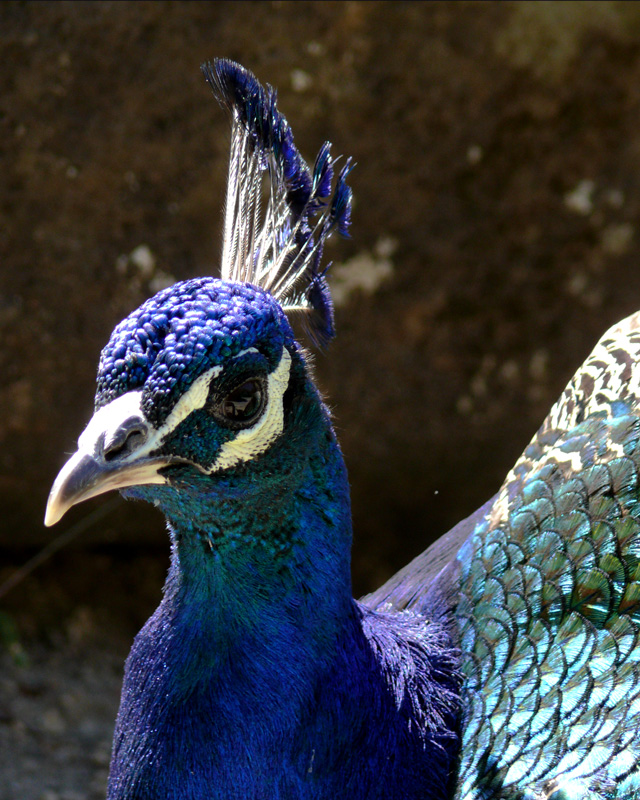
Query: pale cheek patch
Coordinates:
[251,442]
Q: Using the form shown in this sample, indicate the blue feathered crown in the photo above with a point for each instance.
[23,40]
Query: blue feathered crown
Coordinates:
[277,243]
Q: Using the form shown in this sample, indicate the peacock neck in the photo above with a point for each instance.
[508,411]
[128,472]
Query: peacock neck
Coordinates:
[259,675]
[265,558]
[260,570]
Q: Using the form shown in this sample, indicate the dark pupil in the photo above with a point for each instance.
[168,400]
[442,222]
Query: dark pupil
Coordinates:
[243,402]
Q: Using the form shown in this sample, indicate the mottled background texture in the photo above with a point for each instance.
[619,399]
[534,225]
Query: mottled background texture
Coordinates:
[495,237]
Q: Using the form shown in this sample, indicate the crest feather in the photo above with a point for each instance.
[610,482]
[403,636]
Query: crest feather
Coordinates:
[277,244]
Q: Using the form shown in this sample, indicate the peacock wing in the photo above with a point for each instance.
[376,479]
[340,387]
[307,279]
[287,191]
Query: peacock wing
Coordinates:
[545,589]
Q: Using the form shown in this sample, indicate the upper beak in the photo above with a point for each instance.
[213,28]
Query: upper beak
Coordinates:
[114,452]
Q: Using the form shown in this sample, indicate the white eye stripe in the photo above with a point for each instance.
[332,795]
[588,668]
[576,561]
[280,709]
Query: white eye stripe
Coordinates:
[193,399]
[251,442]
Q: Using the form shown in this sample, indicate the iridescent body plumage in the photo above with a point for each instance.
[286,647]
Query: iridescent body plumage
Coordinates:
[504,662]
[550,600]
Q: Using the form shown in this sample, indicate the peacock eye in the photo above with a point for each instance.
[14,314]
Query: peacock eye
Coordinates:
[244,404]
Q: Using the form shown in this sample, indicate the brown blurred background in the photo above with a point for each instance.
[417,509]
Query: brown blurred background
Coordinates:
[497,193]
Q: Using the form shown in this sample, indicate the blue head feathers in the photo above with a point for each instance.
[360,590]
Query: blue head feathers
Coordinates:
[164,346]
[186,354]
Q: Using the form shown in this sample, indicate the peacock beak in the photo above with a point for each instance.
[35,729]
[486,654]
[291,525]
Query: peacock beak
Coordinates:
[115,450]
[83,477]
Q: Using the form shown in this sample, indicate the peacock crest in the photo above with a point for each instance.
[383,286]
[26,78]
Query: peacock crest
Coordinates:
[275,238]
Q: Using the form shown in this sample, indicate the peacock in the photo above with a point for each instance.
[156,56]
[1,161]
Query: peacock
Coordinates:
[504,662]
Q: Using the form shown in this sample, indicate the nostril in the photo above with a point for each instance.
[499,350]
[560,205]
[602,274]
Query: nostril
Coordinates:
[127,438]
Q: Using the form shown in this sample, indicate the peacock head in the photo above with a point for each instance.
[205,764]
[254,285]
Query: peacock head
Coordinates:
[206,380]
